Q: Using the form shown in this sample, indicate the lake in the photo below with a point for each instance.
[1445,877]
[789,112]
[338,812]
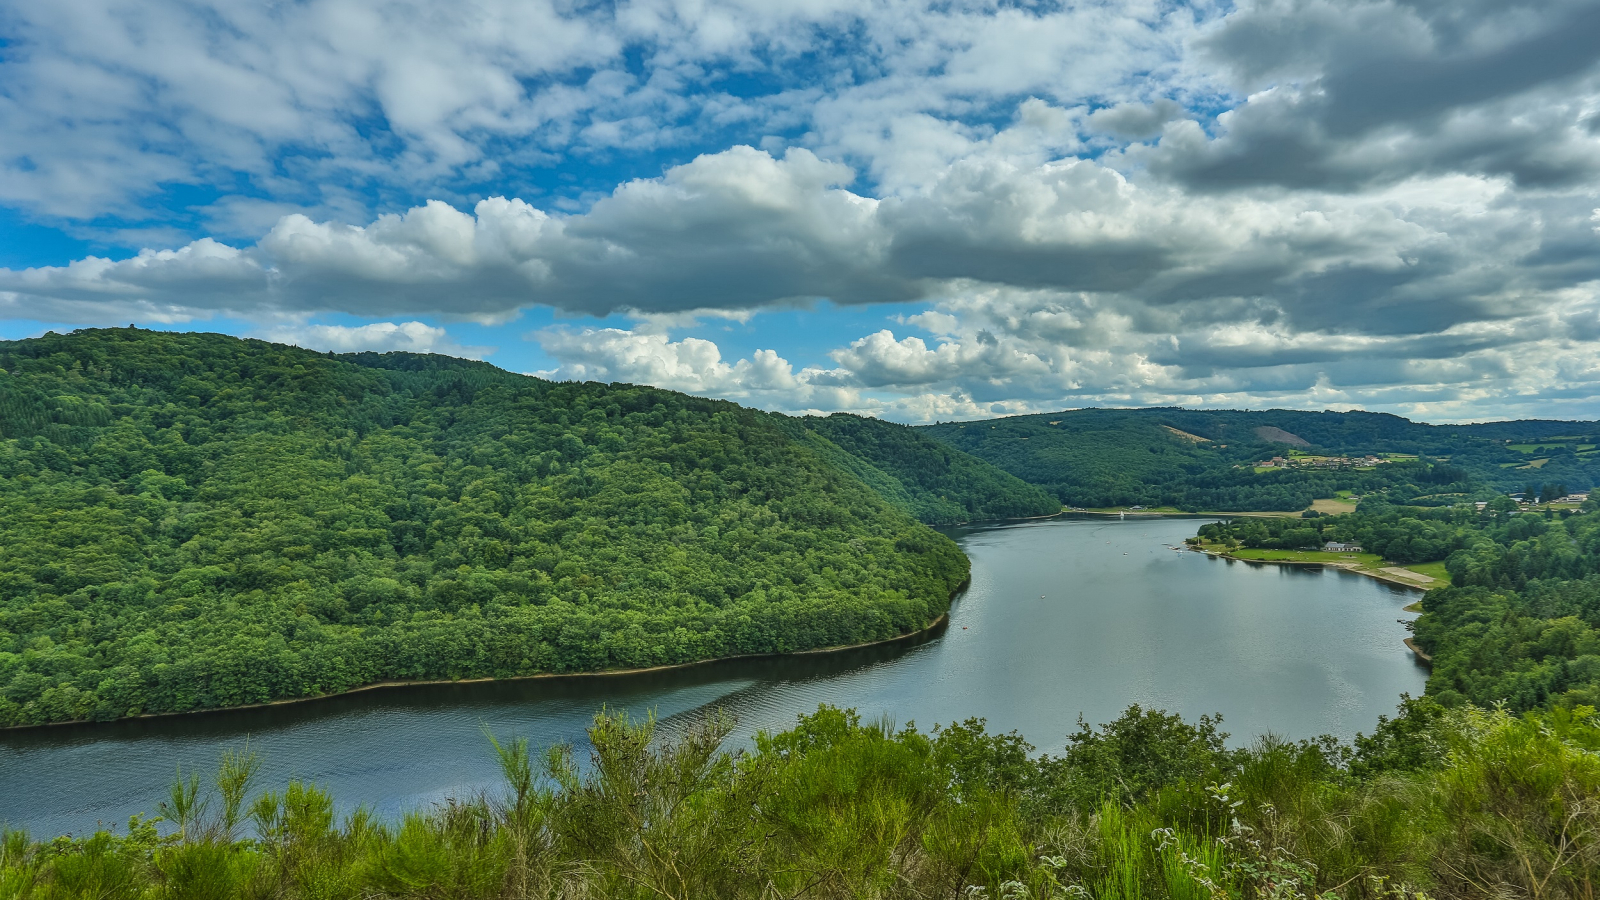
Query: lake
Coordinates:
[1064,618]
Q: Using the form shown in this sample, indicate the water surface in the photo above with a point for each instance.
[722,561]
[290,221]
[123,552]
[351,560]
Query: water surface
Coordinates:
[1064,618]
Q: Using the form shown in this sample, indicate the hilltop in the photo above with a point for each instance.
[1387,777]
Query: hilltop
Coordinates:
[192,521]
[1207,459]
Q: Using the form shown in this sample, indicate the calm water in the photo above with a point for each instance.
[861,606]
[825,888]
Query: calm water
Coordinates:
[1064,618]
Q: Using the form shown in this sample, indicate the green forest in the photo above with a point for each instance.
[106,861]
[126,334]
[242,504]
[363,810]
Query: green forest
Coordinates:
[194,521]
[1203,460]
[932,480]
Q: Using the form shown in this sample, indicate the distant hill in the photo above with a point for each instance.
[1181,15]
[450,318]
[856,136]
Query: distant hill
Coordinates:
[1204,459]
[932,480]
[191,521]
[1274,435]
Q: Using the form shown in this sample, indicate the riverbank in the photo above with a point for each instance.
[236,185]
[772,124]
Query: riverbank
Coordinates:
[931,628]
[1172,512]
[1368,564]
[1424,658]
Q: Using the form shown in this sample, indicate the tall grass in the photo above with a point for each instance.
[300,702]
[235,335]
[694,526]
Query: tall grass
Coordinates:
[837,808]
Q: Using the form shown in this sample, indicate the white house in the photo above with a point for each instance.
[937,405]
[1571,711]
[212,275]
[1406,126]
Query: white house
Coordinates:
[1337,547]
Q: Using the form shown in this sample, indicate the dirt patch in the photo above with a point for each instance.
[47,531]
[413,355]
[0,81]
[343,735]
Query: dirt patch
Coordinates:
[1333,507]
[1279,436]
[1409,575]
[1192,438]
[1428,660]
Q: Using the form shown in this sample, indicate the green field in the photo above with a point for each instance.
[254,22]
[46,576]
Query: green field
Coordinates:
[1334,506]
[1434,569]
[1550,448]
[1363,560]
[1370,563]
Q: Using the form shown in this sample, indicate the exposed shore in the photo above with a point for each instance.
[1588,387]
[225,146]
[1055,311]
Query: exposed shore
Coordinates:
[1423,657]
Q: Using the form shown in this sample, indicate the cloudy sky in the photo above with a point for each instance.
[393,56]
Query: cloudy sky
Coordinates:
[919,210]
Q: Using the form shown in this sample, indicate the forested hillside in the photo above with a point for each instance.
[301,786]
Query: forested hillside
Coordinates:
[1101,458]
[930,479]
[1204,459]
[191,521]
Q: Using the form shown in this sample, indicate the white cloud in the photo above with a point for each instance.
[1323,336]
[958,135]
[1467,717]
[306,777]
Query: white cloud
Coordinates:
[1349,94]
[1132,202]
[741,230]
[108,100]
[692,365]
[382,337]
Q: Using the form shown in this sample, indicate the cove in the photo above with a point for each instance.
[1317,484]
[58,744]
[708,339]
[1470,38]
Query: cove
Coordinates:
[1064,617]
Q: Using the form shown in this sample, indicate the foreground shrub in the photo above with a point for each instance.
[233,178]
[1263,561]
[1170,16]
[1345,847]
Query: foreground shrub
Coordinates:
[1144,808]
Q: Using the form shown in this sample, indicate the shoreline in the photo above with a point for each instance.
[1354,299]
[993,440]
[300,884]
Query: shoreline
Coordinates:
[1348,567]
[1422,657]
[1177,514]
[942,620]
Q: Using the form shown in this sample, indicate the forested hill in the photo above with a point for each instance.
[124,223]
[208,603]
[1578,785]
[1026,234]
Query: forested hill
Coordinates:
[192,521]
[930,479]
[1203,459]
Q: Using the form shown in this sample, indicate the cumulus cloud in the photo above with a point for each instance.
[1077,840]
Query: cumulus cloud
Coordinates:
[414,337]
[741,230]
[110,101]
[736,229]
[1344,95]
[1387,202]
[692,365]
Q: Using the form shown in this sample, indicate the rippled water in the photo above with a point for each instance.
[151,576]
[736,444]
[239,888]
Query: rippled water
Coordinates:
[1064,618]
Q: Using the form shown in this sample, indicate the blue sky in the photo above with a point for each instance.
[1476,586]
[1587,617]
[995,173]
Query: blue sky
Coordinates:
[918,210]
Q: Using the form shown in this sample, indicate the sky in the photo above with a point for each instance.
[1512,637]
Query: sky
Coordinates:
[922,210]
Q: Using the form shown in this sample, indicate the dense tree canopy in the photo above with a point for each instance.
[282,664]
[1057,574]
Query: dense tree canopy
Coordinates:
[1102,458]
[1521,623]
[194,521]
[1202,459]
[933,481]
[1398,534]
